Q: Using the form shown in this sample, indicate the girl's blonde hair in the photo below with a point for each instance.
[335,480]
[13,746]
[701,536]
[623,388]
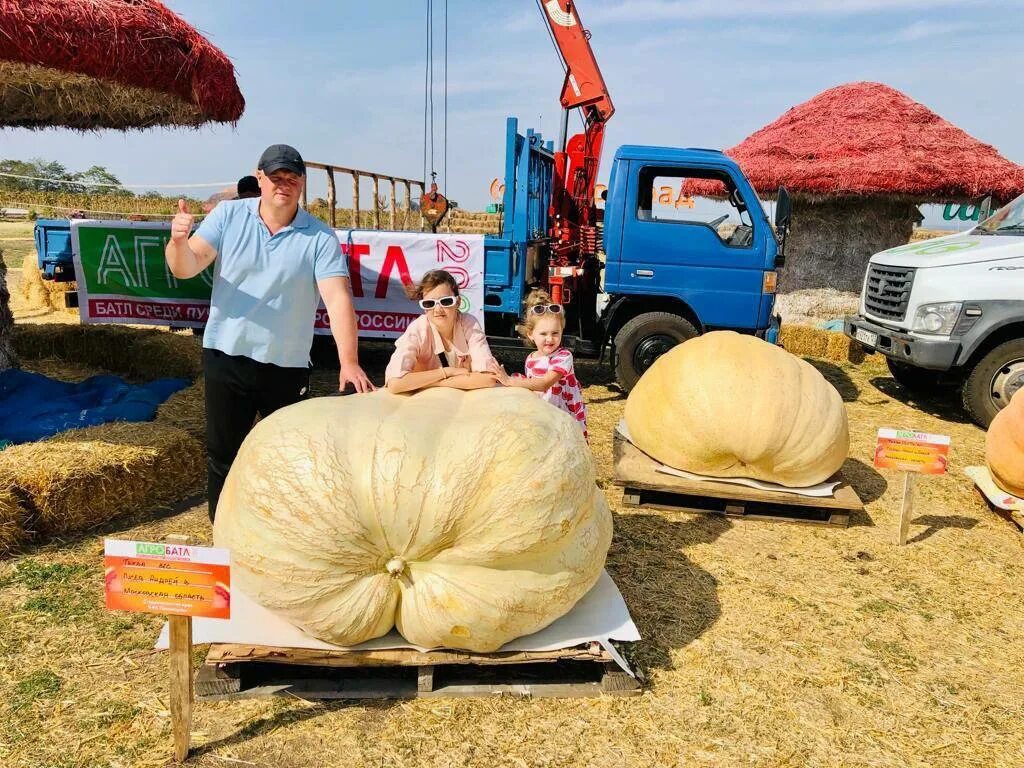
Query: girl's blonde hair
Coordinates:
[536,298]
[430,281]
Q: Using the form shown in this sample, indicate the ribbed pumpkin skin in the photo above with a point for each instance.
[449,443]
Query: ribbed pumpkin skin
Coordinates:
[1004,447]
[728,405]
[484,504]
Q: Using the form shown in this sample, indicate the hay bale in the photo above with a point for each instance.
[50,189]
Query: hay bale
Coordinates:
[805,341]
[142,353]
[12,521]
[811,306]
[80,479]
[186,410]
[832,239]
[31,287]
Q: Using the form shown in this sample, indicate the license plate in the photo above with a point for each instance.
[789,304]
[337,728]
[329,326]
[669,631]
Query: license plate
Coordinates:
[866,337]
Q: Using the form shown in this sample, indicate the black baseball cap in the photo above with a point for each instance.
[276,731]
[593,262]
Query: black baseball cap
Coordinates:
[281,157]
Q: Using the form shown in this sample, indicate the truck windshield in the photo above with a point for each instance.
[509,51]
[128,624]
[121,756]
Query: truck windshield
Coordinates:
[1008,220]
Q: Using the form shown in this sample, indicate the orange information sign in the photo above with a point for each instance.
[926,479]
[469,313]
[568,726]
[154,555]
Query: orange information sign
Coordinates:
[910,451]
[176,579]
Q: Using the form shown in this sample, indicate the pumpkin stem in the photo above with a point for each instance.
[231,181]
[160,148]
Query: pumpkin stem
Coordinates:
[395,566]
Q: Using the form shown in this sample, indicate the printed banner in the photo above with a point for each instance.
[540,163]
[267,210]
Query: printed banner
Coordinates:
[912,451]
[123,277]
[174,579]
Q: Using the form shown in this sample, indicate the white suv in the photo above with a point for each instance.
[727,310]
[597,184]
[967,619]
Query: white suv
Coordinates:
[951,311]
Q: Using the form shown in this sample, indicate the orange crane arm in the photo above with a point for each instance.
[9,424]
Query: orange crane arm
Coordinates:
[573,215]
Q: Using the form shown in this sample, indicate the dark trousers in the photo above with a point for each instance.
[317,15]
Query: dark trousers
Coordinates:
[237,390]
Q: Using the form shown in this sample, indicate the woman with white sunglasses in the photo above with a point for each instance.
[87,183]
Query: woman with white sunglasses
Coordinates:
[443,343]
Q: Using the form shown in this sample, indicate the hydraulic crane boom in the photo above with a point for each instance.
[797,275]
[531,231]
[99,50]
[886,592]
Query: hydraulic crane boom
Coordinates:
[573,229]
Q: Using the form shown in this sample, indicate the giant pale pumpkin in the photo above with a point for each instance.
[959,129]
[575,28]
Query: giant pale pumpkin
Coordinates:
[1004,446]
[466,519]
[728,405]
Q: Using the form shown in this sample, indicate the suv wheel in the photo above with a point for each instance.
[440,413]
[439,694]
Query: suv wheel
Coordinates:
[993,381]
[643,340]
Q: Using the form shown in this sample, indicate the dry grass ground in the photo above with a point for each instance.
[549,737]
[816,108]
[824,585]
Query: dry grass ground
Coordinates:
[764,644]
[16,241]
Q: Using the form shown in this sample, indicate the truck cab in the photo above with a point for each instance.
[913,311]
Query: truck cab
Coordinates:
[950,312]
[668,270]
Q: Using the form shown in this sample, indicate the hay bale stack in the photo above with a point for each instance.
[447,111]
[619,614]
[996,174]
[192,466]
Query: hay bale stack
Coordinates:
[43,294]
[12,521]
[141,353]
[186,410]
[804,341]
[83,478]
[833,238]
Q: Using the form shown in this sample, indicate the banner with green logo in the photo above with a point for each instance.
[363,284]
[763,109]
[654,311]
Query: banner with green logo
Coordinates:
[123,277]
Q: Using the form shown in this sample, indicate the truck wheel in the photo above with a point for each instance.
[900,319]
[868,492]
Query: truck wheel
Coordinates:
[643,340]
[916,379]
[994,380]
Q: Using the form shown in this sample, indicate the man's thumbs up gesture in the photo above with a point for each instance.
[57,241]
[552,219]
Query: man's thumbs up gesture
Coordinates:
[181,224]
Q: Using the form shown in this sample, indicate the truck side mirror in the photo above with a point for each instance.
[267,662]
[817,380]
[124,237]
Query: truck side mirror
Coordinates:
[985,208]
[783,211]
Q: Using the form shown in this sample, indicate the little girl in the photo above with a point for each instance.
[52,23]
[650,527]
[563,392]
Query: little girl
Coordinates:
[549,370]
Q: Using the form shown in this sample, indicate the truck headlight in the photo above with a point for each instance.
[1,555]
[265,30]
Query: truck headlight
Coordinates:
[937,319]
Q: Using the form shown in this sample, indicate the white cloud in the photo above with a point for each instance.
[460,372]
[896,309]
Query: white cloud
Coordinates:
[922,30]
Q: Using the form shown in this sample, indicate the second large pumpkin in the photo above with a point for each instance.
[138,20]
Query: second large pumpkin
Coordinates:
[728,405]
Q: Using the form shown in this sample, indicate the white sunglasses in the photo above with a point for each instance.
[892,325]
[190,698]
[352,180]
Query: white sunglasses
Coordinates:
[445,301]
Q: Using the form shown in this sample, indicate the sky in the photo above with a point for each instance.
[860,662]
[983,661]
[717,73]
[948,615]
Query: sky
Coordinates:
[344,81]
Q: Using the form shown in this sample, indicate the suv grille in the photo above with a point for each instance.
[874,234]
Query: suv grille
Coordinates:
[888,291]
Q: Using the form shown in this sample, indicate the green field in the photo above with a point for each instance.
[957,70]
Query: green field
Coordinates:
[16,242]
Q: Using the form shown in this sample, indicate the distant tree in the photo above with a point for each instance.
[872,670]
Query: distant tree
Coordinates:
[101,180]
[39,175]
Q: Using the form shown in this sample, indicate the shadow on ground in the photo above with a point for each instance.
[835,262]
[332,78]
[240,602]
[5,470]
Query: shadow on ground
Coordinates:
[943,402]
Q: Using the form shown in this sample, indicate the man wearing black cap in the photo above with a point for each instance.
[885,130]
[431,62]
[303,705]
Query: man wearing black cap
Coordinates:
[273,262]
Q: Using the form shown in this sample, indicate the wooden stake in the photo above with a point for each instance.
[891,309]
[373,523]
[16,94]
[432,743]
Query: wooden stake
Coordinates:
[909,479]
[180,653]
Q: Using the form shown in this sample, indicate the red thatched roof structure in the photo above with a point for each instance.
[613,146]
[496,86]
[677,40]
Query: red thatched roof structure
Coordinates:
[869,139]
[109,64]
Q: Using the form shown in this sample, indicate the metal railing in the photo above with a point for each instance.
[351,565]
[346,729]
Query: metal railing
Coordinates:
[332,195]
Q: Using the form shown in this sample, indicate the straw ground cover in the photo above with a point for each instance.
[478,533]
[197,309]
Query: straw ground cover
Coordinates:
[77,480]
[765,644]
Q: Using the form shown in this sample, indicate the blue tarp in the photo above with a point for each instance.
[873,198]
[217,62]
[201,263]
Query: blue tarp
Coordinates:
[832,325]
[33,406]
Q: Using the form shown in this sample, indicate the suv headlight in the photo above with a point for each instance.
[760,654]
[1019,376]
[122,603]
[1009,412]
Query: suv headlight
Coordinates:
[937,319]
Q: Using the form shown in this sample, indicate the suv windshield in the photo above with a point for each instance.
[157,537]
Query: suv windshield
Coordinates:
[1008,220]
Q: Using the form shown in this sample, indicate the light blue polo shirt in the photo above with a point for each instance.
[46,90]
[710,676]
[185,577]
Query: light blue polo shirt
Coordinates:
[264,288]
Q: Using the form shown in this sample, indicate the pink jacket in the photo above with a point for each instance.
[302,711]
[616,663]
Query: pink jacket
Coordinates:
[418,348]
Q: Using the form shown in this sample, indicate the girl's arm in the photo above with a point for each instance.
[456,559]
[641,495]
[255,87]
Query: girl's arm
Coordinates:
[403,359]
[540,384]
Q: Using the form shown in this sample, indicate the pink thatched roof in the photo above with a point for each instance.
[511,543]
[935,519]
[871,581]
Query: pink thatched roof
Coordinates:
[869,139]
[109,64]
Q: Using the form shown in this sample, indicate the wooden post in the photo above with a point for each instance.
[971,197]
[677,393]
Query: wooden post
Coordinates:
[392,204]
[376,203]
[909,480]
[332,199]
[407,218]
[180,653]
[355,201]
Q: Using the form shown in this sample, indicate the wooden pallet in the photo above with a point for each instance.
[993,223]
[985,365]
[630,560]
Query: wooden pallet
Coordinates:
[995,497]
[234,671]
[644,486]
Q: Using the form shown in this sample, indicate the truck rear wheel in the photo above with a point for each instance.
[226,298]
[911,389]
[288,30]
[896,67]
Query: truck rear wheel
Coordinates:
[993,381]
[643,340]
